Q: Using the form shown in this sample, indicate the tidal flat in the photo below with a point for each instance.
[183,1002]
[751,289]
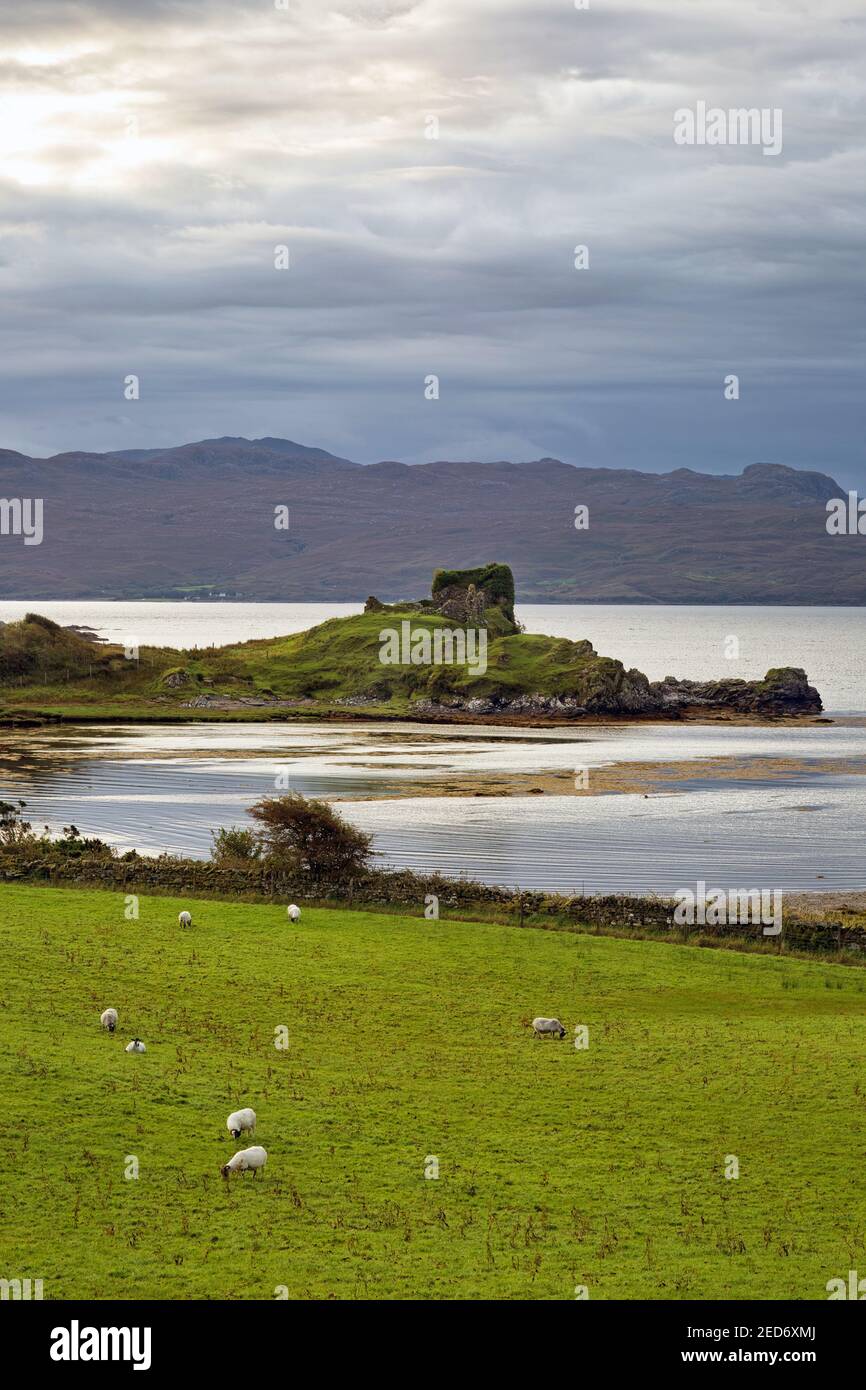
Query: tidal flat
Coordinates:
[632,808]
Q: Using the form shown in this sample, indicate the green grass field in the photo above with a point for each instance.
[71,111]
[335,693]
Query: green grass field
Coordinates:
[558,1167]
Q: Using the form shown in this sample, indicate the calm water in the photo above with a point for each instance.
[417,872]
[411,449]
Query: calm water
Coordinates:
[161,789]
[830,643]
[166,788]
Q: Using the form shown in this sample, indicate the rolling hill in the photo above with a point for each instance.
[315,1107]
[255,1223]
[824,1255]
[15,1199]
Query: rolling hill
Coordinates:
[198,521]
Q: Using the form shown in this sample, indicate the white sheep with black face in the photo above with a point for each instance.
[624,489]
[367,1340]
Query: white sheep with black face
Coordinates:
[547,1028]
[241,1122]
[108,1019]
[184,919]
[294,912]
[245,1160]
[135,1046]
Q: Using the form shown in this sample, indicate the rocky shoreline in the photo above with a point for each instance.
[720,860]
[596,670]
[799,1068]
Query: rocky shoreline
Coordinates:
[783,692]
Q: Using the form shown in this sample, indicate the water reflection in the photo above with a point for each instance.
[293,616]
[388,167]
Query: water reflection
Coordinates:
[166,788]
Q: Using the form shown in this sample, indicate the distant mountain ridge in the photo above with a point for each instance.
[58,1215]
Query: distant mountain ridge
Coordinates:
[198,520]
[233,451]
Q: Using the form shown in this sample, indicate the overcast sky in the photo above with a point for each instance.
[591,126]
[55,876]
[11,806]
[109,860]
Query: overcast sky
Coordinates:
[155,152]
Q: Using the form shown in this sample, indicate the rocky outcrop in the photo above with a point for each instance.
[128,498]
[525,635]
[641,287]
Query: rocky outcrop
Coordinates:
[239,702]
[541,705]
[784,691]
[175,679]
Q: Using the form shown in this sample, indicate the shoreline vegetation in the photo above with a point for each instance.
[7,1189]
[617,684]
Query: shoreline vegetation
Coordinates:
[302,850]
[336,670]
[837,935]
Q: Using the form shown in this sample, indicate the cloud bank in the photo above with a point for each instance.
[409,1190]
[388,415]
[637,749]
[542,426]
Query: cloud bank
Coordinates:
[431,168]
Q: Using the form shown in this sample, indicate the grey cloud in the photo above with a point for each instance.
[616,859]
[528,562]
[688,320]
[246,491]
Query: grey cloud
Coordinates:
[449,256]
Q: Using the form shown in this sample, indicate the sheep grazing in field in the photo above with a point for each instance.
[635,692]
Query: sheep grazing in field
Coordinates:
[108,1019]
[547,1027]
[135,1046]
[184,919]
[241,1122]
[254,1159]
[294,912]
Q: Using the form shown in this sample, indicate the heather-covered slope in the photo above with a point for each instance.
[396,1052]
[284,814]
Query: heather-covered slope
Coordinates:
[198,520]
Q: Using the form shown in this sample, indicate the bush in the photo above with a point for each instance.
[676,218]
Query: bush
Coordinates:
[234,847]
[41,621]
[73,845]
[310,837]
[16,835]
[15,832]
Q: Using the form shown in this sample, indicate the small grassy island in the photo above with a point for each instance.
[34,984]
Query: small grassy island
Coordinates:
[458,655]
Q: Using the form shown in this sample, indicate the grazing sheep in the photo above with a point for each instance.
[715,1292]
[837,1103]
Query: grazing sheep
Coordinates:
[108,1019]
[135,1046]
[550,1027]
[253,1158]
[294,912]
[184,919]
[241,1121]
